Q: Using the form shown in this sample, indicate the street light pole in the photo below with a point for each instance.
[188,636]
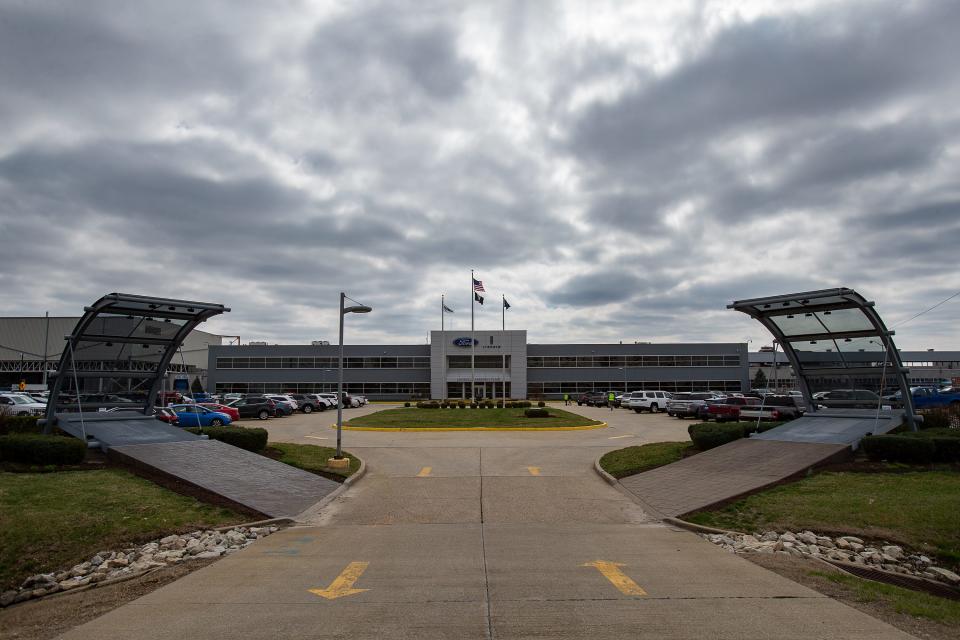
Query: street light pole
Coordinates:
[357,308]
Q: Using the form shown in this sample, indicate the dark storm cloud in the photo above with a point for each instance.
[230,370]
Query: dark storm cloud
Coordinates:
[777,70]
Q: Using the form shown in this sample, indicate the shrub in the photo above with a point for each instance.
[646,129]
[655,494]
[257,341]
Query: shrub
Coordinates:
[473,405]
[32,448]
[428,405]
[19,424]
[946,449]
[406,404]
[541,404]
[899,449]
[488,404]
[940,418]
[707,435]
[500,404]
[252,439]
[463,404]
[537,413]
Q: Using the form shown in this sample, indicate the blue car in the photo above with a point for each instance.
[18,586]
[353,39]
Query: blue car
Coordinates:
[190,415]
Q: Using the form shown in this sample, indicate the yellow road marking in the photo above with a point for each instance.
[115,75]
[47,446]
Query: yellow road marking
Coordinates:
[424,472]
[534,471]
[611,571]
[343,583]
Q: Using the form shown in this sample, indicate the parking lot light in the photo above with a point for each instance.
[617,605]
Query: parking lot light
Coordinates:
[338,460]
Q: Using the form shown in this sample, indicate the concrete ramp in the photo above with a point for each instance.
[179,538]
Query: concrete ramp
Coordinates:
[176,457]
[115,428]
[835,426]
[253,481]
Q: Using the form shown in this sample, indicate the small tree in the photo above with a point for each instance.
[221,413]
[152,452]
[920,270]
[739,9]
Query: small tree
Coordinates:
[196,387]
[760,380]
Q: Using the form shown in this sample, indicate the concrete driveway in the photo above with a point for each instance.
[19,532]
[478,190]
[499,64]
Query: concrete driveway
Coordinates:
[484,535]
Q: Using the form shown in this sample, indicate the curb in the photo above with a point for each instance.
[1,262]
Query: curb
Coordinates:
[603,474]
[613,482]
[699,528]
[333,495]
[602,425]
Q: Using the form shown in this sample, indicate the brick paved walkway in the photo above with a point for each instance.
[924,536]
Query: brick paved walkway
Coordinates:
[720,474]
[254,481]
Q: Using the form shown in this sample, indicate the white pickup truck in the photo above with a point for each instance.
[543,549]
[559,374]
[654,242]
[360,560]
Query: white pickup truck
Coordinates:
[18,404]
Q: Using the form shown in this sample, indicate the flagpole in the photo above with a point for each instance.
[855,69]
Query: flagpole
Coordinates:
[503,341]
[443,353]
[473,297]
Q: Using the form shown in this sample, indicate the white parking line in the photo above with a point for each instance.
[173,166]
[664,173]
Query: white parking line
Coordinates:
[316,437]
[626,436]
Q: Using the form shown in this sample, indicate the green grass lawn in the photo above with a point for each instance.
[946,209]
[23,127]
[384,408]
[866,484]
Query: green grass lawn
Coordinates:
[50,521]
[467,418]
[312,458]
[906,601]
[631,460]
[919,509]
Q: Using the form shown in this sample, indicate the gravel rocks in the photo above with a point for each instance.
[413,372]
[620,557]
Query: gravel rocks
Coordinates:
[842,549]
[108,565]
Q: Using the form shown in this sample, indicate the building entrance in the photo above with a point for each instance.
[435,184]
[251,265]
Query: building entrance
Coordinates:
[488,390]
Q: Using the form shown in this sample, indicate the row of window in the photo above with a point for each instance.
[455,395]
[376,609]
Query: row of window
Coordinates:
[374,362]
[593,362]
[548,388]
[411,389]
[480,362]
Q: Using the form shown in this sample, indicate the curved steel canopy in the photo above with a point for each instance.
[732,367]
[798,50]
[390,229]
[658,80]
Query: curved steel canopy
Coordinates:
[139,334]
[831,334]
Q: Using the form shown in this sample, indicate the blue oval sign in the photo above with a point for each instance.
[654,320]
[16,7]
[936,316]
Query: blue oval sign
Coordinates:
[464,342]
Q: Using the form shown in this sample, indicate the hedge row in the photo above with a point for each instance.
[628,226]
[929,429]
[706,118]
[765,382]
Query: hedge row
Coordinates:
[920,447]
[463,404]
[940,418]
[32,448]
[707,435]
[19,424]
[538,412]
[251,439]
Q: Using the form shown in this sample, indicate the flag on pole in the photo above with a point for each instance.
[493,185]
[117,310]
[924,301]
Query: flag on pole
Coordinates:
[447,309]
[478,286]
[478,297]
[506,305]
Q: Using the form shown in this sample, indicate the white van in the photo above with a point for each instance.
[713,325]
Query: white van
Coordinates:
[651,401]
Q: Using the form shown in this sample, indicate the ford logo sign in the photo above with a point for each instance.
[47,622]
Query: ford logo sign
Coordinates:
[464,342]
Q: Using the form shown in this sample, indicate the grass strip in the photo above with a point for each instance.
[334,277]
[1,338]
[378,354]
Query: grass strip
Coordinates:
[905,601]
[411,417]
[630,460]
[919,509]
[54,520]
[312,458]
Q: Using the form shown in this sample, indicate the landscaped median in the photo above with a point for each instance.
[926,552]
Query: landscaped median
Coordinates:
[57,517]
[467,419]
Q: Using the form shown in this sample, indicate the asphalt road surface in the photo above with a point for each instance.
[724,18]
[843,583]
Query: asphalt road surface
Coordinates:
[483,535]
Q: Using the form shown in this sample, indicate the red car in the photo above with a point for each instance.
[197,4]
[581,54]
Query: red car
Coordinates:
[727,408]
[166,415]
[222,408]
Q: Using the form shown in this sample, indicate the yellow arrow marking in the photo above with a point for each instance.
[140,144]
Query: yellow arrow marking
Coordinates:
[534,471]
[343,584]
[611,571]
[424,472]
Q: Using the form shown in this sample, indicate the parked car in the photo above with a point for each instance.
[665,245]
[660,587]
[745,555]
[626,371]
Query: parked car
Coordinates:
[285,407]
[930,397]
[724,409]
[689,404]
[652,401]
[233,412]
[348,401]
[362,400]
[165,414]
[254,407]
[772,408]
[193,415]
[20,405]
[592,399]
[849,398]
[286,397]
[308,403]
[323,402]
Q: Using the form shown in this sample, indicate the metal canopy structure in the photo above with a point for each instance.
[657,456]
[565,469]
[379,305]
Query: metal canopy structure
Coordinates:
[140,335]
[835,341]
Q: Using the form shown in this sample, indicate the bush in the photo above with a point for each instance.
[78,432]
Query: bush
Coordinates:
[537,413]
[541,404]
[899,449]
[946,449]
[406,404]
[32,448]
[707,435]
[428,405]
[463,404]
[488,404]
[252,439]
[940,418]
[19,424]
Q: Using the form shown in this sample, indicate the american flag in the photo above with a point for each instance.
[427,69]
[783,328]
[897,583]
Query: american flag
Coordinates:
[478,286]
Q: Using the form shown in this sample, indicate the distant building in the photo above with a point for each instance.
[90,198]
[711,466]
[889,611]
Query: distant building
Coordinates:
[927,368]
[22,356]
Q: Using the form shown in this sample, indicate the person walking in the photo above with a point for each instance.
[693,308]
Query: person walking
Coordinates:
[611,399]
[566,399]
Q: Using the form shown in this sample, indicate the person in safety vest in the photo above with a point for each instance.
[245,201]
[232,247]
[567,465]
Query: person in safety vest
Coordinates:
[611,399]
[566,398]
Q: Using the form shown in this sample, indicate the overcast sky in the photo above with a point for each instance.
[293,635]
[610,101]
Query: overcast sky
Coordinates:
[619,170]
